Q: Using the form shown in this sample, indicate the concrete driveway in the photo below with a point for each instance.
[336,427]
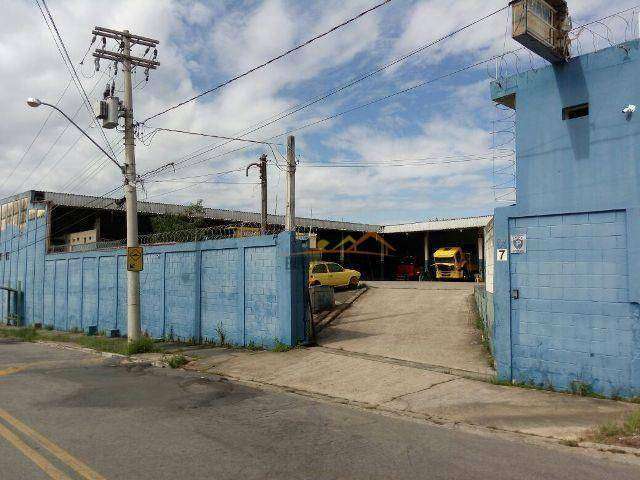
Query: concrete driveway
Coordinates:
[424,322]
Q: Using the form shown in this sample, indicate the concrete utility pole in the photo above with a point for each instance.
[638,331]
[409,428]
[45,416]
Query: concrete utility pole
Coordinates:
[126,40]
[262,166]
[290,213]
[131,196]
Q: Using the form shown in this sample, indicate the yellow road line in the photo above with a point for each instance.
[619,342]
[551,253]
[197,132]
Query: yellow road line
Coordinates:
[59,452]
[15,369]
[44,464]
[25,366]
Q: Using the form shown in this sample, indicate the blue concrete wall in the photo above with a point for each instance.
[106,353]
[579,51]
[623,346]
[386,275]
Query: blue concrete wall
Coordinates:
[577,318]
[253,289]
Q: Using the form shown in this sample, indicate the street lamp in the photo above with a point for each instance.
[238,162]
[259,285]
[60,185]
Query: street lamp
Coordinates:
[133,291]
[36,102]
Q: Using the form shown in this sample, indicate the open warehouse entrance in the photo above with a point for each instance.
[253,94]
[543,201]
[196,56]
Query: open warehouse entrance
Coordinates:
[433,249]
[406,251]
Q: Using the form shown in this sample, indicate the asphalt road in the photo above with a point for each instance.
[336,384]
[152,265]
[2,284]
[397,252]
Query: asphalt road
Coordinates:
[71,415]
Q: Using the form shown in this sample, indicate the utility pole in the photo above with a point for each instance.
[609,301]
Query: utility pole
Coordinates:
[123,55]
[290,213]
[262,166]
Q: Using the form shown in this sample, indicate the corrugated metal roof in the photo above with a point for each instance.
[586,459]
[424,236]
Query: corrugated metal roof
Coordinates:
[104,203]
[433,225]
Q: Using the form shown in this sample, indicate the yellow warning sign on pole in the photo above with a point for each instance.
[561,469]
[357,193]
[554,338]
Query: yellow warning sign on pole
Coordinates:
[134,259]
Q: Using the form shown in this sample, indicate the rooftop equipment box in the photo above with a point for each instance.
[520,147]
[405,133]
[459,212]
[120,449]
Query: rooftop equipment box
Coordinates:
[543,27]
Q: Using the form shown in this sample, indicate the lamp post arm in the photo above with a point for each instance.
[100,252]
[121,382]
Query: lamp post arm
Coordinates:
[85,134]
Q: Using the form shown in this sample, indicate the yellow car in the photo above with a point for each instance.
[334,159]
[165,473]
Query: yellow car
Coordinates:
[332,274]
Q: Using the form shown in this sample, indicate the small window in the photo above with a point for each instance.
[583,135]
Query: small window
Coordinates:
[577,111]
[334,268]
[320,268]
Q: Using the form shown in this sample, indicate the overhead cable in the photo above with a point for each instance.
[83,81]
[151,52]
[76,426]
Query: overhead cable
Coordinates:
[272,60]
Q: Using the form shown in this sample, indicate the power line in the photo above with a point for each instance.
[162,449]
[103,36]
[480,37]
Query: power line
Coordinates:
[62,49]
[92,169]
[35,138]
[212,136]
[204,150]
[301,106]
[44,157]
[193,184]
[427,160]
[391,95]
[274,59]
[328,94]
[358,107]
[380,165]
[211,182]
[66,127]
[48,237]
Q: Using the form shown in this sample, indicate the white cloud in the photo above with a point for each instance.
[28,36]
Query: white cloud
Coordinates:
[205,42]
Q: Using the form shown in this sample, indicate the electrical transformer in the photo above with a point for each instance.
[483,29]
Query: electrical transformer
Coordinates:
[108,111]
[543,27]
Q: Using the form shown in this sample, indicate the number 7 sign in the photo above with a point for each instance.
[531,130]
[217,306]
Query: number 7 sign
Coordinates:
[501,255]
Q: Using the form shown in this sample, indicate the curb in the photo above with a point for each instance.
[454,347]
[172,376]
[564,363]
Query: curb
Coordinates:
[78,348]
[455,372]
[629,455]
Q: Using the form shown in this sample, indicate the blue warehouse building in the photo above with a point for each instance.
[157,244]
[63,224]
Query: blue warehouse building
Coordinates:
[567,269]
[247,290]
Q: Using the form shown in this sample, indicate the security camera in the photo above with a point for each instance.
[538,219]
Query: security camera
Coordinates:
[629,109]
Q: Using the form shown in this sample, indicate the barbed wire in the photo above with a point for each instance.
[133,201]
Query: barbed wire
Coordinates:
[218,232]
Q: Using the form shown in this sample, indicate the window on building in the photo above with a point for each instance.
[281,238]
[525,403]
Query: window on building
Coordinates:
[542,10]
[576,111]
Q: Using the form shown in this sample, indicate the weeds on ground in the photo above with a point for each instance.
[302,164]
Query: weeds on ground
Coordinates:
[280,346]
[143,345]
[626,432]
[177,361]
[254,346]
[485,339]
[48,327]
[584,390]
[26,334]
[30,334]
[222,336]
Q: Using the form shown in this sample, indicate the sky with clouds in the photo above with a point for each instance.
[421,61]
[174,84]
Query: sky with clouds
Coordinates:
[424,154]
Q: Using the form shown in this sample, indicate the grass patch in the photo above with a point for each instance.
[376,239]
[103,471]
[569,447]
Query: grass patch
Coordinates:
[99,343]
[529,385]
[280,346]
[626,432]
[143,345]
[26,334]
[254,346]
[584,390]
[177,361]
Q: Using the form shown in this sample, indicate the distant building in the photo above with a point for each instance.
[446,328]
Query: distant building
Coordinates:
[567,270]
